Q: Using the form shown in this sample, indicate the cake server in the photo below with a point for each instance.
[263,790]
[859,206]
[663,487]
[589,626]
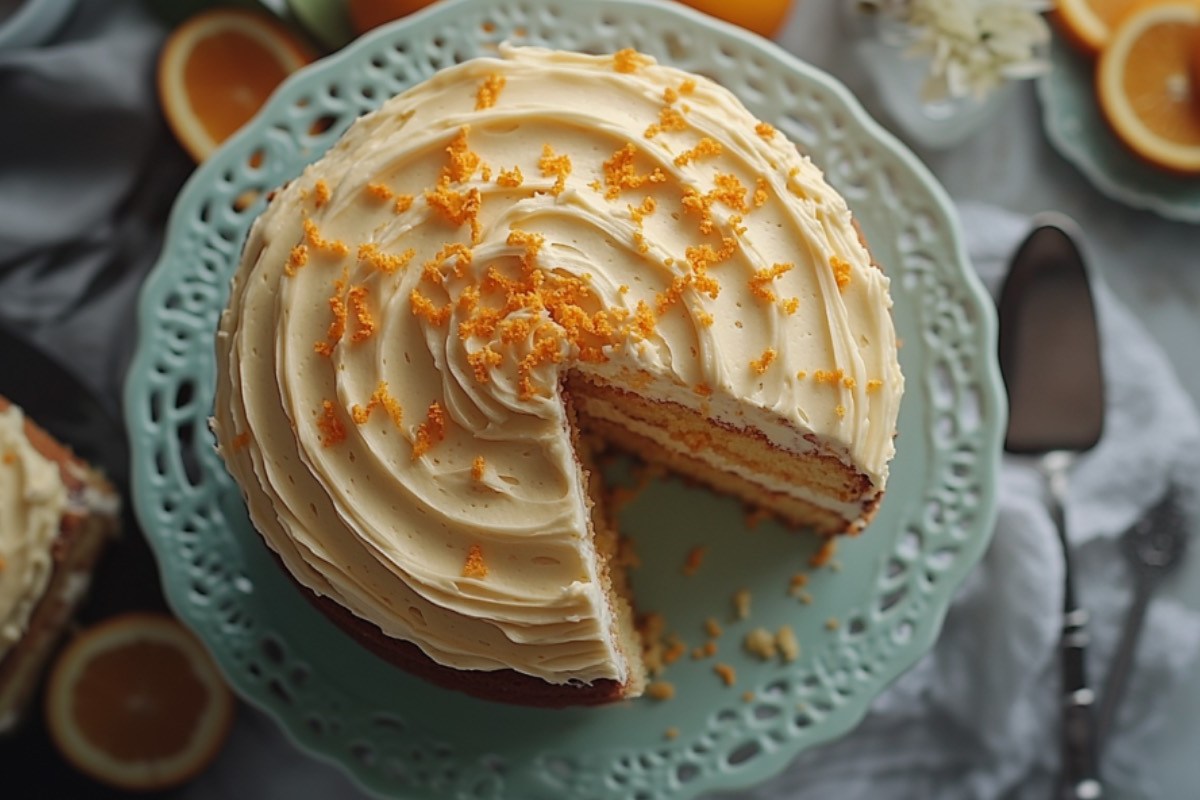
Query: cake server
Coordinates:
[1050,360]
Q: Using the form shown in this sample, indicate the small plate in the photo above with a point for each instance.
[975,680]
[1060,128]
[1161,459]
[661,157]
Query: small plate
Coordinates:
[1076,127]
[867,623]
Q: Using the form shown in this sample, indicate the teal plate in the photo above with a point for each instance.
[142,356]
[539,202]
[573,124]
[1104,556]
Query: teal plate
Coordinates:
[1076,127]
[873,612]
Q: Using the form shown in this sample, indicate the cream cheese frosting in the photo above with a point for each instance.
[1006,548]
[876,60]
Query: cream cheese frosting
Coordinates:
[390,361]
[33,499]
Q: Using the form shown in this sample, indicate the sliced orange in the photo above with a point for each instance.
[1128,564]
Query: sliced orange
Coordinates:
[137,703]
[1146,86]
[764,17]
[217,69]
[368,14]
[1089,23]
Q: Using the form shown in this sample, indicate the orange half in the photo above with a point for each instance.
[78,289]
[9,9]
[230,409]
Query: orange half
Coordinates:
[136,702]
[218,69]
[1089,23]
[1147,86]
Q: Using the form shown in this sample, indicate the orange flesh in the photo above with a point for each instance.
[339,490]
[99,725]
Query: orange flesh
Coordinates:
[228,78]
[139,702]
[1159,86]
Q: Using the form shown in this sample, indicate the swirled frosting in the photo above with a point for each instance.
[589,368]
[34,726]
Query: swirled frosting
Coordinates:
[391,359]
[33,499]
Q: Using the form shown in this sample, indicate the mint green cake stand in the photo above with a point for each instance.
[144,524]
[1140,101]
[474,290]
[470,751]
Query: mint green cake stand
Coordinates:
[873,613]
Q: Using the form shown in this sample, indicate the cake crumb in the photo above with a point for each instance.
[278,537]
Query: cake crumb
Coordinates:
[706,650]
[741,603]
[489,91]
[748,696]
[835,566]
[760,642]
[475,566]
[671,734]
[755,517]
[823,555]
[788,645]
[694,559]
[797,583]
[832,624]
[660,690]
[806,598]
[712,627]
[478,466]
[727,673]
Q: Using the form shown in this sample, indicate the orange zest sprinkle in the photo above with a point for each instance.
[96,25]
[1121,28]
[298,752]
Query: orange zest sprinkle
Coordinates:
[765,130]
[874,385]
[670,95]
[380,191]
[849,382]
[380,398]
[337,327]
[639,213]
[364,322]
[840,410]
[321,193]
[841,271]
[424,308]
[669,119]
[761,364]
[332,430]
[801,375]
[313,236]
[620,174]
[429,432]
[826,376]
[462,162]
[510,178]
[727,674]
[790,305]
[475,566]
[477,468]
[760,192]
[705,318]
[296,259]
[489,91]
[240,442]
[688,86]
[694,559]
[664,300]
[457,208]
[762,279]
[629,60]
[370,254]
[557,166]
[705,148]
[482,361]
[703,389]
[433,268]
[403,203]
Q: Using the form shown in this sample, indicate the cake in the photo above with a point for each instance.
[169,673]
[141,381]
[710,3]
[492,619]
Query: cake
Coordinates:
[519,255]
[56,515]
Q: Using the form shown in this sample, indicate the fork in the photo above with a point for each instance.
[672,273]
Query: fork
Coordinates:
[1153,546]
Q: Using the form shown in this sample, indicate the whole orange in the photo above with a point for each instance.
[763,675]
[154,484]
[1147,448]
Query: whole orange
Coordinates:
[368,14]
[764,17]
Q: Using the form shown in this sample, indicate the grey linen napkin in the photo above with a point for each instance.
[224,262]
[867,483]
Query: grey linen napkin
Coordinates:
[977,717]
[88,172]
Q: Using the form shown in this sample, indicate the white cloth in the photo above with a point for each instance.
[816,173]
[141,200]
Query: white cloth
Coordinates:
[977,718]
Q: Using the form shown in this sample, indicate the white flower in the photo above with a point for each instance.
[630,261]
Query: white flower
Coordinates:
[972,45]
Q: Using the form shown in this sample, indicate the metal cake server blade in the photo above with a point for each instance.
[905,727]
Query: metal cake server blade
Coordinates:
[1050,359]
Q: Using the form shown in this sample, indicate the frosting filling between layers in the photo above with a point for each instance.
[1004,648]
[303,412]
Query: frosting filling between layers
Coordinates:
[390,361]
